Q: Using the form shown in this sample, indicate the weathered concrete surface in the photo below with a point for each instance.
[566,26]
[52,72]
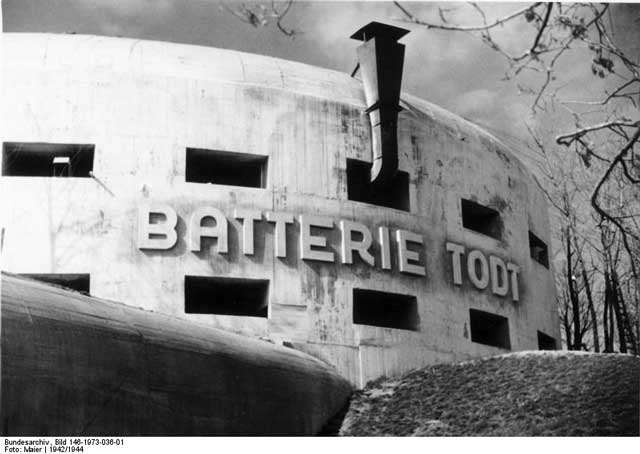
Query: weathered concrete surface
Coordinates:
[142,103]
[76,365]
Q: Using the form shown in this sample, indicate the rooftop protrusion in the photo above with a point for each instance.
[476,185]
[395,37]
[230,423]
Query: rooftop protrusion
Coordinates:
[379,30]
[381,59]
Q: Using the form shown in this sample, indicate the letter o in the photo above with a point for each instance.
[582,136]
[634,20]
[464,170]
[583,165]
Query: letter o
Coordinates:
[481,281]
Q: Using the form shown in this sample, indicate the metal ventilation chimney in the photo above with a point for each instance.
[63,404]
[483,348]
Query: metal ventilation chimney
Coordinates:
[381,58]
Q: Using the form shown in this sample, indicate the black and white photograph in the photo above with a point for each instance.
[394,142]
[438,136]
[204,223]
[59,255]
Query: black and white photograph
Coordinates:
[318,218]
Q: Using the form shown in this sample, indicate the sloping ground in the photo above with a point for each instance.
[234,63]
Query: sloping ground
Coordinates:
[520,394]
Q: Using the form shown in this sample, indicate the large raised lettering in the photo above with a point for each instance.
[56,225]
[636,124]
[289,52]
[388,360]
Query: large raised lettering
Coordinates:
[308,241]
[281,220]
[480,281]
[499,282]
[456,253]
[248,217]
[197,230]
[166,229]
[405,256]
[349,245]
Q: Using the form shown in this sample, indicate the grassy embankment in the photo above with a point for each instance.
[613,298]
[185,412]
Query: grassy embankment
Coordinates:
[519,394]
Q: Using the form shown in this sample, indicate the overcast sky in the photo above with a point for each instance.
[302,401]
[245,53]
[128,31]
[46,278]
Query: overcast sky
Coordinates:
[453,70]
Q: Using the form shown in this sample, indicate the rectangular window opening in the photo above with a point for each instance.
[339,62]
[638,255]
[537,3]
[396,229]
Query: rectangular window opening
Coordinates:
[538,250]
[228,168]
[546,342]
[31,159]
[78,282]
[481,219]
[489,329]
[226,296]
[387,310]
[360,189]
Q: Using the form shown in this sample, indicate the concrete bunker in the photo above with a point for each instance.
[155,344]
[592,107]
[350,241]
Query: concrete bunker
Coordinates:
[292,221]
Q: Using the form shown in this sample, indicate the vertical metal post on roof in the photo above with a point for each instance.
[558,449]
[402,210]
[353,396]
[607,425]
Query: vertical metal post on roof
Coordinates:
[381,58]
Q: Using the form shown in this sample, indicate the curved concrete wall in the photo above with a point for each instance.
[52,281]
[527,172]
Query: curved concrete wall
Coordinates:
[143,103]
[76,365]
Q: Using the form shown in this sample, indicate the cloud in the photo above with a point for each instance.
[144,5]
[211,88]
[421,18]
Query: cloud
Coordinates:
[130,8]
[473,102]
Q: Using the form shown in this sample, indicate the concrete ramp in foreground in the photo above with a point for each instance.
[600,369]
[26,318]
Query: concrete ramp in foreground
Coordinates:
[77,365]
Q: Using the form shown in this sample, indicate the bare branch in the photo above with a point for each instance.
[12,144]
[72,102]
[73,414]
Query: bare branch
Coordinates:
[568,139]
[280,17]
[615,94]
[542,28]
[628,174]
[542,89]
[262,15]
[594,195]
[463,28]
[598,16]
[242,16]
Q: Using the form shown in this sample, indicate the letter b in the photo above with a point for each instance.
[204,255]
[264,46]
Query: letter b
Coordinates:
[166,229]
